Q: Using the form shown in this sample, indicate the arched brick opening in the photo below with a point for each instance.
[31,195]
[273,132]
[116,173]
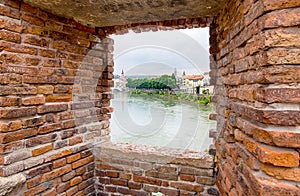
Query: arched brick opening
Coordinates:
[157,169]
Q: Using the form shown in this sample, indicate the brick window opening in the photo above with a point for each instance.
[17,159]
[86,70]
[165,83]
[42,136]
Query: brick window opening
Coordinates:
[182,54]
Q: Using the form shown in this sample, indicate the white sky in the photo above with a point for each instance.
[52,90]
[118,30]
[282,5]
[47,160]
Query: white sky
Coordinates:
[155,53]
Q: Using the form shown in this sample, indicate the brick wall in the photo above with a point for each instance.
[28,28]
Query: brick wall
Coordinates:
[53,107]
[55,78]
[128,169]
[257,97]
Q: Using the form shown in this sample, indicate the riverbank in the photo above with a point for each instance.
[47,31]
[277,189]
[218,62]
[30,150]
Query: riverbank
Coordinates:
[199,99]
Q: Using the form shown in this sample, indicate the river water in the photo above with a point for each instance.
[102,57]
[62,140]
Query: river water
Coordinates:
[143,119]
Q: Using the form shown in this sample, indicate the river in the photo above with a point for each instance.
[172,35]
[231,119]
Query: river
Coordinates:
[151,120]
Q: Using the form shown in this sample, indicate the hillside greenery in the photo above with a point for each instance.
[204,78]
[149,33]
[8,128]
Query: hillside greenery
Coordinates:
[162,82]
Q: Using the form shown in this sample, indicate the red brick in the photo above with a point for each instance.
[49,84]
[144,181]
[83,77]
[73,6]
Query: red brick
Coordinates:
[12,47]
[82,162]
[36,171]
[73,158]
[187,186]
[11,147]
[51,192]
[52,79]
[85,184]
[280,4]
[268,186]
[247,157]
[8,58]
[36,100]
[186,177]
[81,170]
[36,30]
[14,157]
[10,126]
[11,26]
[33,20]
[49,128]
[206,180]
[70,64]
[53,25]
[41,150]
[59,163]
[68,176]
[33,182]
[63,187]
[41,139]
[285,18]
[112,174]
[61,89]
[268,154]
[33,122]
[104,180]
[46,89]
[32,61]
[285,37]
[281,95]
[27,8]
[18,135]
[275,117]
[56,172]
[283,56]
[268,136]
[60,45]
[17,112]
[150,188]
[278,157]
[9,36]
[47,53]
[17,90]
[125,176]
[119,182]
[6,11]
[109,167]
[76,181]
[88,175]
[80,193]
[282,172]
[52,108]
[72,191]
[156,174]
[169,191]
[75,140]
[59,154]
[36,190]
[59,98]
[148,180]
[134,185]
[51,63]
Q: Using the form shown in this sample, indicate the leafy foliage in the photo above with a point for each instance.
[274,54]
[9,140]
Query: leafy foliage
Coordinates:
[205,100]
[163,82]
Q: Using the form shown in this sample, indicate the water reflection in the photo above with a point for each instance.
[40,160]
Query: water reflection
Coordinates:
[161,122]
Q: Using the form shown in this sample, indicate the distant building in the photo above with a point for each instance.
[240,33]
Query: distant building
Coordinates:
[190,83]
[206,83]
[120,82]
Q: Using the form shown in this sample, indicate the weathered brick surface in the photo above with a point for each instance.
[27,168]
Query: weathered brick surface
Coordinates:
[254,65]
[148,173]
[257,96]
[41,56]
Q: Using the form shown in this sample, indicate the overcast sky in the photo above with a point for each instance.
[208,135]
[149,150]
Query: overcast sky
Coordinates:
[155,53]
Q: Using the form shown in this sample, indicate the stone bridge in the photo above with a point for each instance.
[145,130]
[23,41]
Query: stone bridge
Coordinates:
[56,69]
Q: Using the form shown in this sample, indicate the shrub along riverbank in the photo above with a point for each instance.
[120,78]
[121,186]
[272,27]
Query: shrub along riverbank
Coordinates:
[200,99]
